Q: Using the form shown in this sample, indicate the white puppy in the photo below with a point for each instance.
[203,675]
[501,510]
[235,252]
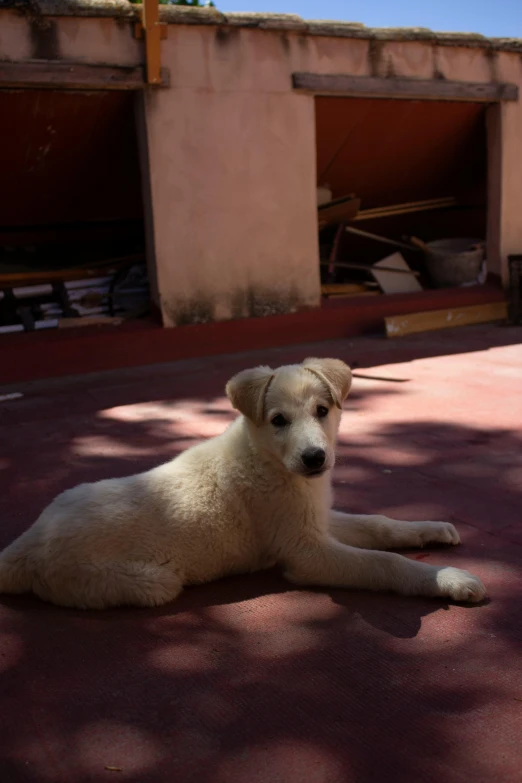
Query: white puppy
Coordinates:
[257,495]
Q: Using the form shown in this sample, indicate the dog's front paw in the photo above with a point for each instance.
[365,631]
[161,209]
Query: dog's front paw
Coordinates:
[437,533]
[460,585]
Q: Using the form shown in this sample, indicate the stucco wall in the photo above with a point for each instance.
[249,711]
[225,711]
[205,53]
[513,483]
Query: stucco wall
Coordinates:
[235,215]
[232,149]
[239,196]
[79,39]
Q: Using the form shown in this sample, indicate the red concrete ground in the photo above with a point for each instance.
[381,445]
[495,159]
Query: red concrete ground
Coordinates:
[250,680]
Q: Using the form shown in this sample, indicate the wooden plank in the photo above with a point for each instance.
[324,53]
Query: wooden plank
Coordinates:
[404,209]
[70,76]
[400,325]
[377,238]
[430,202]
[393,87]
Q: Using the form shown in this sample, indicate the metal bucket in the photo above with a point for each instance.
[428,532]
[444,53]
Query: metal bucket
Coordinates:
[454,262]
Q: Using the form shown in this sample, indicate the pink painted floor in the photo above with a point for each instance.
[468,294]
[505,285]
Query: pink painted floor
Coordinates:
[249,680]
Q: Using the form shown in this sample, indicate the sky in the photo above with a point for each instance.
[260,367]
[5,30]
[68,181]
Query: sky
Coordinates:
[492,18]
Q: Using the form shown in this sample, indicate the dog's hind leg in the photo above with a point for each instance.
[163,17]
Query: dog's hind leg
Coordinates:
[14,575]
[15,566]
[88,586]
[379,532]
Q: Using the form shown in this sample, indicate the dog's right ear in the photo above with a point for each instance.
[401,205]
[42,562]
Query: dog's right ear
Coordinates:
[246,391]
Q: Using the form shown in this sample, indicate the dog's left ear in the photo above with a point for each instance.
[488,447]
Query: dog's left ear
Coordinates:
[335,374]
[246,391]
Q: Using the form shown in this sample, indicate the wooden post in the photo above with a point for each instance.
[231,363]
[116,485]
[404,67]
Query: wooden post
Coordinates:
[152,29]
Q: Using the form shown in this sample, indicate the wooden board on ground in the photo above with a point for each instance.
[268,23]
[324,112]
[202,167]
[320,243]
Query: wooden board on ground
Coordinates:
[392,283]
[400,325]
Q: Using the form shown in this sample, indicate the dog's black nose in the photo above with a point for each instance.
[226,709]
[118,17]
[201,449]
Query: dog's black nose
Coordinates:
[313,458]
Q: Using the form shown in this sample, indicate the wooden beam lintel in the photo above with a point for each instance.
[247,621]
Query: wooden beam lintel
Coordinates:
[71,76]
[405,88]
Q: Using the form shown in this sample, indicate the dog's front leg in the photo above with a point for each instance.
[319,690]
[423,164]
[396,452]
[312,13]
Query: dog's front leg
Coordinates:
[329,563]
[379,532]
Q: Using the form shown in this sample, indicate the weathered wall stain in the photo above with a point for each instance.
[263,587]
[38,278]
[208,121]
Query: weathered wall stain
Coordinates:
[492,59]
[252,302]
[258,302]
[193,310]
[375,51]
[437,73]
[44,40]
[390,69]
[225,36]
[285,43]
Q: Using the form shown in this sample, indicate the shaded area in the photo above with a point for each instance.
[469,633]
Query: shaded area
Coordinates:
[59,146]
[362,144]
[249,679]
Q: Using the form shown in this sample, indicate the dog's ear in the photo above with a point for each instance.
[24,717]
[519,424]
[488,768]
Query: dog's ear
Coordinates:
[246,391]
[335,374]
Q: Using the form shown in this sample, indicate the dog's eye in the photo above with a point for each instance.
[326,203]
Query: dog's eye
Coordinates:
[321,411]
[279,421]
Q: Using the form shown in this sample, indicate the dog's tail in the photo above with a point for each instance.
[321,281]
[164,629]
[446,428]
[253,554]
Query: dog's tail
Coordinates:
[15,573]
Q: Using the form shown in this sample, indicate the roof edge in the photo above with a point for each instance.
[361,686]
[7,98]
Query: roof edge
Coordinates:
[285,22]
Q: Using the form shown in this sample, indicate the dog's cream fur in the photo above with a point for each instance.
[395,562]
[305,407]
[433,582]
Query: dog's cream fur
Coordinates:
[239,502]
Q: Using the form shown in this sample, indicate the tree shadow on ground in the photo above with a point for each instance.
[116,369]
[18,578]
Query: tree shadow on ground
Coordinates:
[249,679]
[41,457]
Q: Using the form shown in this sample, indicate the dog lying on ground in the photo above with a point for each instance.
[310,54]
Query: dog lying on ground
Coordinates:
[257,495]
